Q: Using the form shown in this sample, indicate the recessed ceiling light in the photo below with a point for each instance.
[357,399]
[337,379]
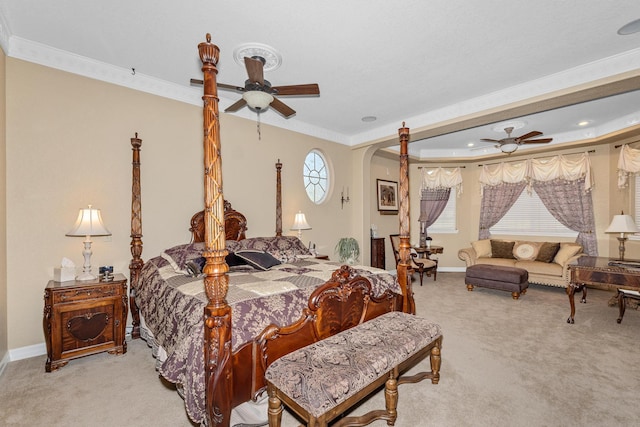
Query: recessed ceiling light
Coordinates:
[470,144]
[630,28]
[583,123]
[369,118]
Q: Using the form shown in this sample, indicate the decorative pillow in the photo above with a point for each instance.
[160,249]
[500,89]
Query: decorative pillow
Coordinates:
[233,245]
[502,249]
[526,251]
[547,252]
[234,260]
[178,256]
[258,259]
[567,250]
[284,248]
[482,248]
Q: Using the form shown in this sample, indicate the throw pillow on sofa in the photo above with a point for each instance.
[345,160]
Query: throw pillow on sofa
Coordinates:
[526,251]
[482,248]
[502,249]
[547,252]
[567,250]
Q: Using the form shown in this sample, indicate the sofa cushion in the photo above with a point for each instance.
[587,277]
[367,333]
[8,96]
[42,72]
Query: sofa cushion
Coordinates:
[526,251]
[497,261]
[548,252]
[567,250]
[502,249]
[544,268]
[482,248]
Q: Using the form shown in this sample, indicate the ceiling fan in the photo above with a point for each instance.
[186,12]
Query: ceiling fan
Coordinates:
[510,144]
[258,93]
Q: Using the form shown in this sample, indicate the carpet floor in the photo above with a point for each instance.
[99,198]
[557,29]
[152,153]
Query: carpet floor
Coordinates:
[504,363]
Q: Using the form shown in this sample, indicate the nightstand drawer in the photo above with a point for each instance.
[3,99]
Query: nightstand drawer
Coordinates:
[83,294]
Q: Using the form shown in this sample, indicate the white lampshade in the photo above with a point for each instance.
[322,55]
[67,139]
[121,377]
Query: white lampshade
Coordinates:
[257,99]
[300,222]
[89,223]
[622,224]
[509,147]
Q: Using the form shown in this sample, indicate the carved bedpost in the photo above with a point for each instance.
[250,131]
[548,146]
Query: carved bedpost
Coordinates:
[136,236]
[404,268]
[278,198]
[217,314]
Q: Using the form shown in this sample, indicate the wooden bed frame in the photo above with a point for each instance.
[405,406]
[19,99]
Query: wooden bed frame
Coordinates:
[236,377]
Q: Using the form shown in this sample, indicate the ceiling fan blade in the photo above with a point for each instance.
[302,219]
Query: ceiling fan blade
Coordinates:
[236,105]
[282,108]
[529,135]
[255,70]
[196,82]
[489,140]
[537,141]
[231,87]
[307,89]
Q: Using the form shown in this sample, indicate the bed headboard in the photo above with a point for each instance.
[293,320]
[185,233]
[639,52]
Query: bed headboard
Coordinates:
[235,224]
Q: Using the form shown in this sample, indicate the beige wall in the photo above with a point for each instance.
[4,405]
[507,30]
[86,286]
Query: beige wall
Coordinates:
[68,145]
[3,212]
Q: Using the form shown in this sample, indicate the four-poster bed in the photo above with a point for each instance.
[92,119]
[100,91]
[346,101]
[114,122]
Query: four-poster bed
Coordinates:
[230,349]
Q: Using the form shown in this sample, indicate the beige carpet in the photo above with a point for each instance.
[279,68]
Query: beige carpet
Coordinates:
[504,363]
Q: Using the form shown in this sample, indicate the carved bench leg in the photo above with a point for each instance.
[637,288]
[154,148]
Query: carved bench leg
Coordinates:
[469,287]
[515,295]
[391,397]
[435,363]
[275,408]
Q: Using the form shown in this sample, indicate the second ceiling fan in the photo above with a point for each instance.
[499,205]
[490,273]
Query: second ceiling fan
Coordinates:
[258,93]
[510,144]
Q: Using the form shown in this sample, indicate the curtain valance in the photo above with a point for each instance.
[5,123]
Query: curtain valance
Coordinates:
[628,163]
[545,169]
[441,178]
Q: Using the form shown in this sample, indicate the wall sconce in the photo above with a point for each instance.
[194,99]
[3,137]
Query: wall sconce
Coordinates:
[343,199]
[622,224]
[89,223]
[300,223]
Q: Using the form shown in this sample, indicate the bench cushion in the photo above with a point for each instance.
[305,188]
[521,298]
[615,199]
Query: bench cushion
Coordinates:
[324,374]
[497,273]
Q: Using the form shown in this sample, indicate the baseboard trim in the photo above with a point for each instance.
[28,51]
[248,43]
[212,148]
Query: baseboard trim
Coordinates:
[27,352]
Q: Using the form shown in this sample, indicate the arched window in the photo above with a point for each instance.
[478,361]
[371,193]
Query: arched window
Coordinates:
[315,175]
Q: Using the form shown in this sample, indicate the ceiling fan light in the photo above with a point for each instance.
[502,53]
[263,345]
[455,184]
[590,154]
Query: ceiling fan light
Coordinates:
[257,99]
[509,147]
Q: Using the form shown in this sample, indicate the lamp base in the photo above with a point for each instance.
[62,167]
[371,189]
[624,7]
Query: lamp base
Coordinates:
[85,276]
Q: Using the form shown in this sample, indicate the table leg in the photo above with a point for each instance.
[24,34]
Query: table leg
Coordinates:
[621,306]
[571,290]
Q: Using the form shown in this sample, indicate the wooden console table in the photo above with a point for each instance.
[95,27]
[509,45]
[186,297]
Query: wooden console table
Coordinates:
[589,270]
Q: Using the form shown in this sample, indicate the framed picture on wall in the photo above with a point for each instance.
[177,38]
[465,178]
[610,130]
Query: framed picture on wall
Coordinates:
[387,197]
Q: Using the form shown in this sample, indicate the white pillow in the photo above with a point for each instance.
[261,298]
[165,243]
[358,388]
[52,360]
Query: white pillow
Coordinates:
[567,250]
[482,248]
[526,251]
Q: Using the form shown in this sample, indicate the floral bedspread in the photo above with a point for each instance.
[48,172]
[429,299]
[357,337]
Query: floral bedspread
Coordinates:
[172,306]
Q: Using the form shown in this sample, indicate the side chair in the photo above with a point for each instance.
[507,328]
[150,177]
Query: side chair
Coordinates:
[421,265]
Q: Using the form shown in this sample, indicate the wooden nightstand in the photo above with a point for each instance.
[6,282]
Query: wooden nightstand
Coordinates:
[82,318]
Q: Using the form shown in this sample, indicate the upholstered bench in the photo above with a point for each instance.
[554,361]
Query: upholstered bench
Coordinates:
[322,380]
[510,279]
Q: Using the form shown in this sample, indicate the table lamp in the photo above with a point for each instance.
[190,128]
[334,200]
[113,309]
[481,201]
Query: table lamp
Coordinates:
[89,223]
[300,223]
[622,224]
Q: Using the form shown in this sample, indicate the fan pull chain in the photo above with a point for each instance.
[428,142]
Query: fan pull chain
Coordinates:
[259,132]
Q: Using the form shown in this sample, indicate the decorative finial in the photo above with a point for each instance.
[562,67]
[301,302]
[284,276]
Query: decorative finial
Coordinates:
[402,124]
[208,38]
